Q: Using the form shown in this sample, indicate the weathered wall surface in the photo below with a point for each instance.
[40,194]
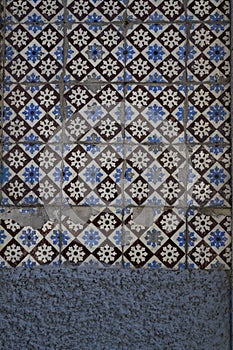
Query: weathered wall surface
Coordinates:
[80,309]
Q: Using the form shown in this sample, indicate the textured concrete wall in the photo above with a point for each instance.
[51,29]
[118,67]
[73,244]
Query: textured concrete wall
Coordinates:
[71,308]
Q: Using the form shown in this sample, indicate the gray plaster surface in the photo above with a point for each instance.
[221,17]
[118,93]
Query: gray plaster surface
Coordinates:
[70,308]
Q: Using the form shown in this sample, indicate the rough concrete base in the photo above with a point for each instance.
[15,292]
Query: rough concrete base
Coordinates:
[81,309]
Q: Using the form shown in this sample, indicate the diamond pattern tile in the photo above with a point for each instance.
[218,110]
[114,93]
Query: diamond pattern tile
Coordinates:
[116,133]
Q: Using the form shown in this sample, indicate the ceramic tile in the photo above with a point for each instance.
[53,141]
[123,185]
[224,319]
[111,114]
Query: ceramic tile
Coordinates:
[209,53]
[214,10]
[115,132]
[93,174]
[209,113]
[155,175]
[209,244]
[165,10]
[155,52]
[93,11]
[154,114]
[31,174]
[31,113]
[93,114]
[33,12]
[92,235]
[96,55]
[33,53]
[154,237]
[209,182]
[22,244]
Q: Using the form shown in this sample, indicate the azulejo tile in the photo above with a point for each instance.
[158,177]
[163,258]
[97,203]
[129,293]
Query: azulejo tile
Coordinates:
[210,176]
[22,245]
[33,52]
[209,244]
[92,235]
[34,12]
[155,175]
[94,113]
[93,174]
[154,237]
[209,113]
[154,114]
[93,11]
[149,10]
[155,52]
[214,10]
[95,54]
[209,53]
[31,113]
[31,174]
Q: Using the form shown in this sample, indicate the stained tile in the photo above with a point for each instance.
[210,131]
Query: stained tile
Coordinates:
[33,53]
[92,174]
[31,113]
[116,132]
[154,114]
[155,175]
[149,10]
[155,53]
[154,237]
[209,113]
[209,244]
[209,53]
[92,235]
[31,174]
[22,245]
[209,176]
[94,113]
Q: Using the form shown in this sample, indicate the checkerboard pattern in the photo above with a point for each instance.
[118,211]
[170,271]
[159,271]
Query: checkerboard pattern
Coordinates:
[115,137]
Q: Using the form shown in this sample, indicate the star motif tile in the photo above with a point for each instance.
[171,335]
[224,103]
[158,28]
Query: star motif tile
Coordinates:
[92,235]
[154,238]
[116,133]
[33,54]
[209,240]
[23,245]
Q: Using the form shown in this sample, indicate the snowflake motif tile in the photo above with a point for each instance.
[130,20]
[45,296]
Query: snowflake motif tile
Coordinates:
[154,114]
[22,245]
[209,176]
[33,53]
[31,174]
[209,240]
[92,235]
[31,113]
[209,52]
[149,10]
[155,175]
[116,129]
[35,12]
[214,10]
[95,54]
[154,237]
[209,113]
[155,53]
[92,174]
[94,114]
[94,11]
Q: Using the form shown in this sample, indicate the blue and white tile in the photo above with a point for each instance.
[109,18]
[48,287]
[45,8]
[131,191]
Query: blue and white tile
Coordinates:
[91,235]
[31,174]
[209,244]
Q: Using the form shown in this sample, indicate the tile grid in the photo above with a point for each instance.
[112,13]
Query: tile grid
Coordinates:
[186,83]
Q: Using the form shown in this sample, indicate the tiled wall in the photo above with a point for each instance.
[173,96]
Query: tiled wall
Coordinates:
[116,133]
